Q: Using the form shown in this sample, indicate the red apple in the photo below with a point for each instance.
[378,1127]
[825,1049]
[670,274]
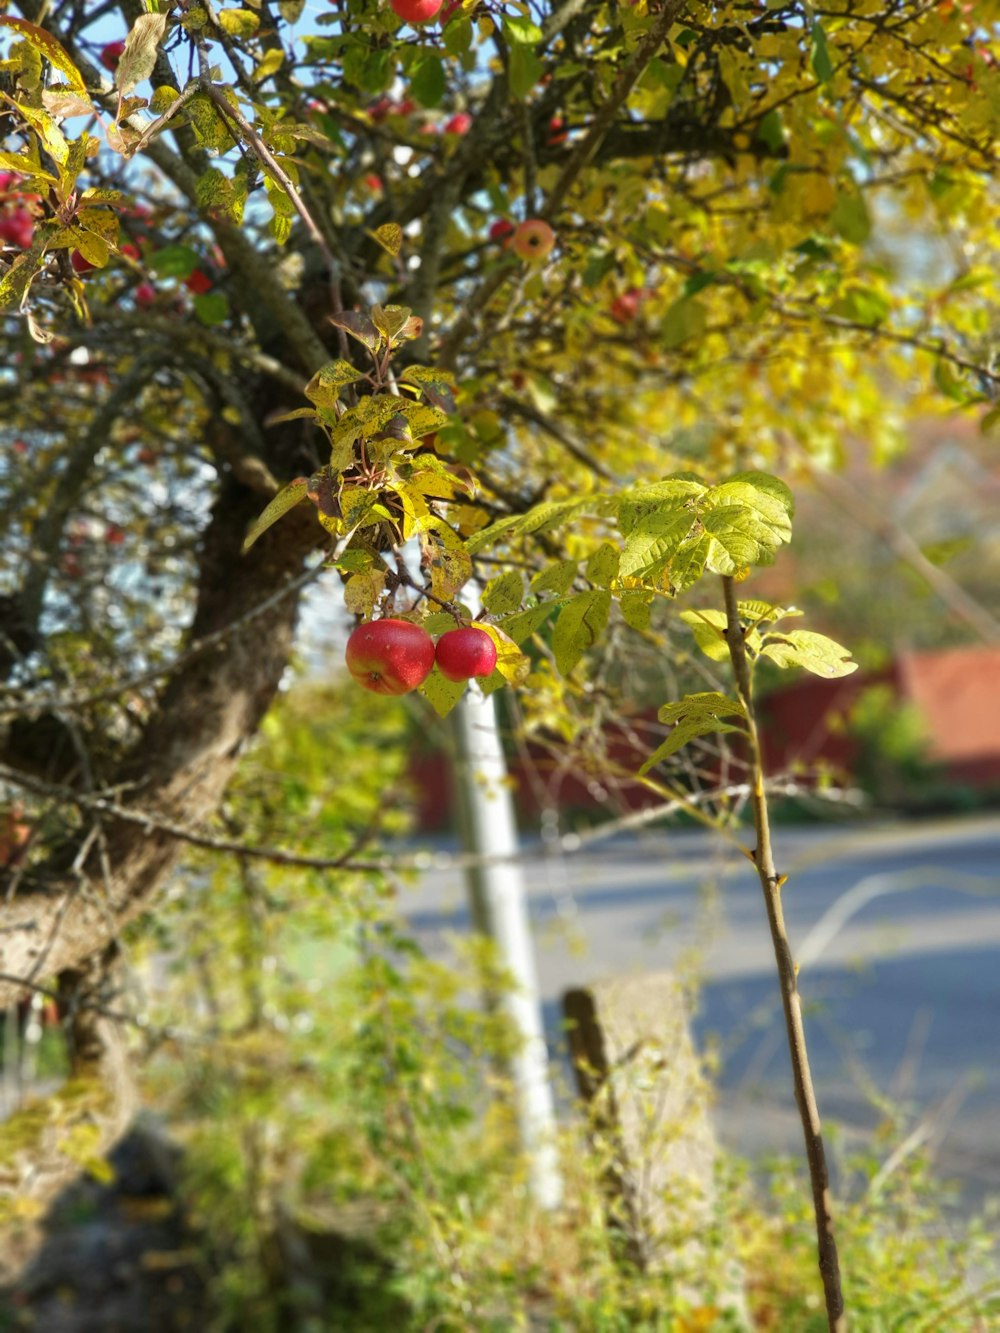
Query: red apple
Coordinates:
[501,229]
[390,656]
[464,653]
[460,123]
[533,240]
[145,294]
[17,228]
[198,282]
[111,54]
[416,11]
[625,307]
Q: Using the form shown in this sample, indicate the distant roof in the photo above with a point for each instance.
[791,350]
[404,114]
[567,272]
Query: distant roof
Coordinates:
[958,692]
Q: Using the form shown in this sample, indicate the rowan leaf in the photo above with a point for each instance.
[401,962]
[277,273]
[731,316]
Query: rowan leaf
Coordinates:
[694,715]
[814,652]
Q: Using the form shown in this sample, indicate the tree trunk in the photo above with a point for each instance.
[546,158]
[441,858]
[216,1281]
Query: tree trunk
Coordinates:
[60,915]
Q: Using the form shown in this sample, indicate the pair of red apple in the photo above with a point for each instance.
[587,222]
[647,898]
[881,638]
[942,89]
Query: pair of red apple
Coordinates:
[395,656]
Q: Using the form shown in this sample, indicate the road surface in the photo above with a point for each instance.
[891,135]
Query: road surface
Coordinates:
[898,933]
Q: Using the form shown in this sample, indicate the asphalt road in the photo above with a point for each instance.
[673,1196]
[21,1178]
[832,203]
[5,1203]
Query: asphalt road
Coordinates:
[897,930]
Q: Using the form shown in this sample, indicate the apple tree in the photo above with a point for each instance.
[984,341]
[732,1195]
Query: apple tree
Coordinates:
[546,294]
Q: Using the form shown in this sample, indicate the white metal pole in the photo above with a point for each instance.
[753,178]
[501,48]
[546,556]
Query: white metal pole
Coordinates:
[498,903]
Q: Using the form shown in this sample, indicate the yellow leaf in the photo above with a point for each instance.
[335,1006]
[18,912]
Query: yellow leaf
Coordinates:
[48,46]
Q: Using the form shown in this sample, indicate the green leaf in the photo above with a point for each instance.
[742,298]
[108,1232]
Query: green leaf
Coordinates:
[695,715]
[557,578]
[442,694]
[814,652]
[602,566]
[653,542]
[748,518]
[581,623]
[522,625]
[709,630]
[685,319]
[819,54]
[688,565]
[212,307]
[541,518]
[948,382]
[634,505]
[520,30]
[174,261]
[771,132]
[850,218]
[635,608]
[524,70]
[428,83]
[504,593]
[863,305]
[286,499]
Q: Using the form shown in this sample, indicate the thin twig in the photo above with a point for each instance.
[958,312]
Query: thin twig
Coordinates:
[771,882]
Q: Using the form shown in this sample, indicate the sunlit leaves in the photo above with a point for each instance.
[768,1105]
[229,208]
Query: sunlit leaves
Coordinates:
[814,652]
[693,716]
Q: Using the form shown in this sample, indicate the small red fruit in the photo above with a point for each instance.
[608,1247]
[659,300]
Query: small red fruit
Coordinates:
[625,307]
[460,123]
[80,264]
[17,228]
[533,240]
[464,653]
[558,132]
[390,656]
[416,11]
[114,535]
[129,250]
[145,294]
[20,446]
[501,229]
[198,282]
[111,54]
[373,182]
